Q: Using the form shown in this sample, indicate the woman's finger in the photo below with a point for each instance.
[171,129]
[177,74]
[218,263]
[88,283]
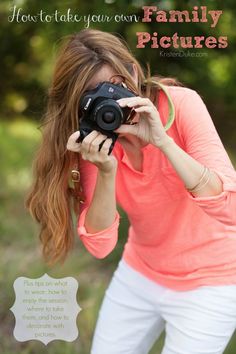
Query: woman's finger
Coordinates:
[134,101]
[95,144]
[86,143]
[74,147]
[90,137]
[143,109]
[72,144]
[73,137]
[106,145]
[126,128]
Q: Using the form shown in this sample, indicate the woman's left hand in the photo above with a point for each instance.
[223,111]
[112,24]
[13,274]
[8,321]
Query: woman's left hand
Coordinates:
[149,127]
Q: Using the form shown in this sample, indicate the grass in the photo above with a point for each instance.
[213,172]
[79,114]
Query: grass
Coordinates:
[20,253]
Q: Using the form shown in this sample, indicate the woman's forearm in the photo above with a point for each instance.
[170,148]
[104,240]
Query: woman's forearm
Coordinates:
[102,210]
[190,170]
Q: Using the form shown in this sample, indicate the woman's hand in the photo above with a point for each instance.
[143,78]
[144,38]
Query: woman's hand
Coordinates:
[149,127]
[89,150]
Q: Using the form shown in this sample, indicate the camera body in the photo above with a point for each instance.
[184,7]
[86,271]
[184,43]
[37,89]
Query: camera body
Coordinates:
[99,110]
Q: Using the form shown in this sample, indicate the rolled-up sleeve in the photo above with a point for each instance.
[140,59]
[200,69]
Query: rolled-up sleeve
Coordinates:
[100,243]
[203,143]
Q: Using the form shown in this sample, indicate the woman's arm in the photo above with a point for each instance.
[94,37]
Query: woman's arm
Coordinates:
[102,211]
[203,147]
[98,221]
[191,171]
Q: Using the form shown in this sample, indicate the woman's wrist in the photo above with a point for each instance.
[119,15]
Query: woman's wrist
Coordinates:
[108,172]
[108,168]
[164,143]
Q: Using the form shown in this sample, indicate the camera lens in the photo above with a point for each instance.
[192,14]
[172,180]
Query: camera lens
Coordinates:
[108,117]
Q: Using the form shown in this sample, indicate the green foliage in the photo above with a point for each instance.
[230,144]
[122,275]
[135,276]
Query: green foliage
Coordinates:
[27,55]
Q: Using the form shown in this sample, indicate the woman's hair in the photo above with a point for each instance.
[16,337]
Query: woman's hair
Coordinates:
[50,200]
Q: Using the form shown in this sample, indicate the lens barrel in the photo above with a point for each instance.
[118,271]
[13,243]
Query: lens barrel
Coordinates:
[108,115]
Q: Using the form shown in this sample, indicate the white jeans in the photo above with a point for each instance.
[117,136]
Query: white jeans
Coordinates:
[135,311]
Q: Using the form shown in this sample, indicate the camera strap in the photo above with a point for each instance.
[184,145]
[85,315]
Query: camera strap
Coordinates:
[74,181]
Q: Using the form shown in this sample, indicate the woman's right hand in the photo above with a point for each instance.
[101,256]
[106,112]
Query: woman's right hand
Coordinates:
[88,149]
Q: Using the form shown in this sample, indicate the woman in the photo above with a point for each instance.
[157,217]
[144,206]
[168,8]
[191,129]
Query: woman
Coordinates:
[178,268]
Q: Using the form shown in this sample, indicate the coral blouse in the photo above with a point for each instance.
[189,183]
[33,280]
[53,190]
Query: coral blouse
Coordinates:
[175,239]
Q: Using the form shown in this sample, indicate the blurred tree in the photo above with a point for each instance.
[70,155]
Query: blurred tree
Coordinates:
[27,53]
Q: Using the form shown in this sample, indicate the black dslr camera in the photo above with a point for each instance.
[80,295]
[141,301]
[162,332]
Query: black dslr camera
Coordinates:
[98,110]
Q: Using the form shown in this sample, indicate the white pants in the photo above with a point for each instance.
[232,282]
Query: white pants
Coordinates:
[135,311]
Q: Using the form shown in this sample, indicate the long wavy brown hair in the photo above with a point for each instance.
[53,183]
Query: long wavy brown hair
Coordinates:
[50,199]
